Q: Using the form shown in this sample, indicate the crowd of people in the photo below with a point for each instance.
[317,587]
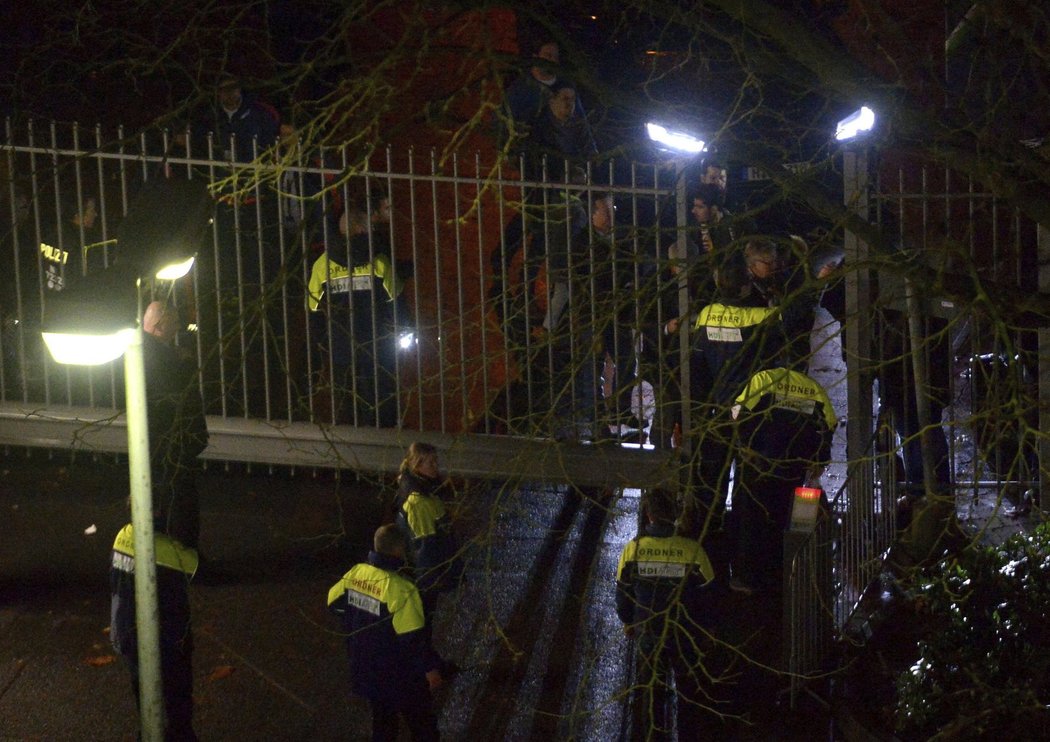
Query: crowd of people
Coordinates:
[741,300]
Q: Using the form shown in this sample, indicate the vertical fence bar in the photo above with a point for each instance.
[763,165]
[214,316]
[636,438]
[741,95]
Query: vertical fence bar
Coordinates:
[372,299]
[284,222]
[217,322]
[20,290]
[262,308]
[597,372]
[681,208]
[330,308]
[36,236]
[239,249]
[349,318]
[500,301]
[976,331]
[438,288]
[299,390]
[87,373]
[103,216]
[399,321]
[460,296]
[417,303]
[860,512]
[65,249]
[479,188]
[1043,337]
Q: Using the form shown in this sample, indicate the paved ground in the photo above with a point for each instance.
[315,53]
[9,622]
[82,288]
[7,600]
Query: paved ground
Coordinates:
[543,655]
[534,629]
[268,663]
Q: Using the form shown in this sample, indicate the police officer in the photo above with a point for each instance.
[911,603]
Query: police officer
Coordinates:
[665,596]
[176,565]
[391,661]
[785,423]
[357,283]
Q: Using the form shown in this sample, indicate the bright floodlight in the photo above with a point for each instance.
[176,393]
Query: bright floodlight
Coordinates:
[407,340]
[854,124]
[87,350]
[174,271]
[675,140]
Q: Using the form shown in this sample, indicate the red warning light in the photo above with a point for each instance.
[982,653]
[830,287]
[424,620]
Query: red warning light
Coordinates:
[808,493]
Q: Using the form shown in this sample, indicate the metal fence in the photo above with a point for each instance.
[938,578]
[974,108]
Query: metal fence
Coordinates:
[481,332]
[943,389]
[508,313]
[459,233]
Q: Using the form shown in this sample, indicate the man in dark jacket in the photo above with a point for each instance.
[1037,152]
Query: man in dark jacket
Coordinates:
[391,661]
[242,126]
[779,275]
[176,565]
[664,597]
[178,433]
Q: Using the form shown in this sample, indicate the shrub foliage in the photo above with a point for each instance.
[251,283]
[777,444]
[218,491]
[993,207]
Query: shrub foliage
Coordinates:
[984,667]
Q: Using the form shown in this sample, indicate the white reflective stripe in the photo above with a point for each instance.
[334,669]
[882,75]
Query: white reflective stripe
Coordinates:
[123,562]
[346,284]
[661,569]
[806,406]
[724,334]
[363,602]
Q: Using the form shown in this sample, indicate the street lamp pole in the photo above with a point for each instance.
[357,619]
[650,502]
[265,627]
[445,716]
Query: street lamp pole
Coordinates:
[684,146]
[147,616]
[92,323]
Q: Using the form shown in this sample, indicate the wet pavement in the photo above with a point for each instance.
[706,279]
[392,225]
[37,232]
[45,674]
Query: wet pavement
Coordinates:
[533,627]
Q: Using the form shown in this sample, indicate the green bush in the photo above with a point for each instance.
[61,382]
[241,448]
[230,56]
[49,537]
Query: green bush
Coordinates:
[984,665]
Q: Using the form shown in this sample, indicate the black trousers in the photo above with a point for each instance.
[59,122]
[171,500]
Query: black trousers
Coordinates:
[677,688]
[176,676]
[417,713]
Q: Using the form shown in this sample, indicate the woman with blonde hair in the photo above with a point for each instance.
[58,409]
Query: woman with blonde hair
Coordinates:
[424,519]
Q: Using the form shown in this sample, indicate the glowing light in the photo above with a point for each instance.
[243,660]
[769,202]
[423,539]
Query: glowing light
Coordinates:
[407,340]
[87,350]
[855,124]
[808,493]
[678,141]
[174,271]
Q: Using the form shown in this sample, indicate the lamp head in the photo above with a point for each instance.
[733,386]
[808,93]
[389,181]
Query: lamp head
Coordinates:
[674,141]
[164,226]
[855,124]
[92,322]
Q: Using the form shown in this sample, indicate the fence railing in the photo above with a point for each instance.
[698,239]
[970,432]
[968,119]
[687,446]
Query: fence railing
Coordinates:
[504,315]
[471,331]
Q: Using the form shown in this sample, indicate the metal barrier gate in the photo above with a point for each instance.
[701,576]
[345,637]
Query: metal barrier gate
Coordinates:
[474,340]
[486,343]
[973,433]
